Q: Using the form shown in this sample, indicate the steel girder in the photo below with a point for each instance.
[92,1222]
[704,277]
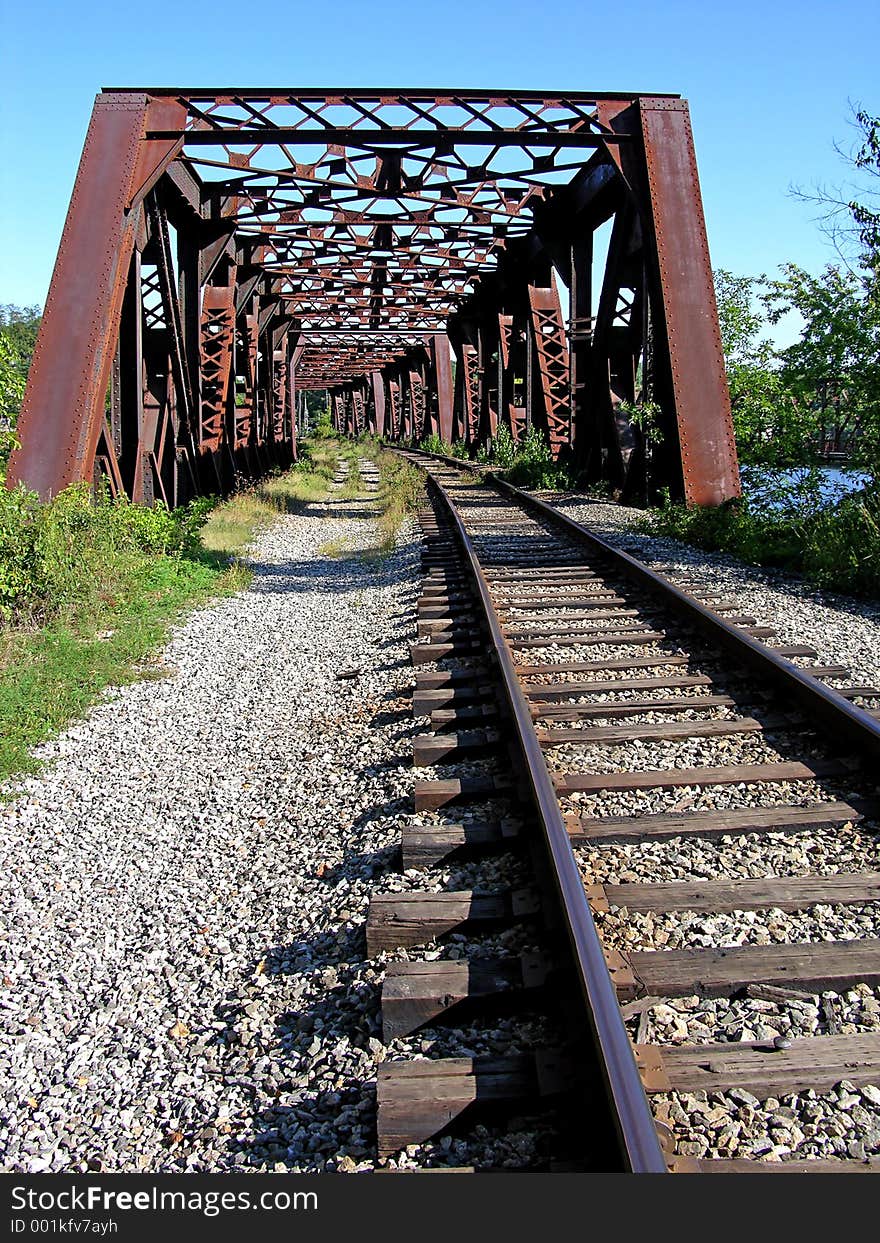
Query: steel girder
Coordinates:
[226,250]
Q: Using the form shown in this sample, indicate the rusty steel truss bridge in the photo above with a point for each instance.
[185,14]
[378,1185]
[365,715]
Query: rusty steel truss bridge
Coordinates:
[427,257]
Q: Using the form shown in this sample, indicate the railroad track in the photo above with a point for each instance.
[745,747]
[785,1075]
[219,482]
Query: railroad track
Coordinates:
[705,804]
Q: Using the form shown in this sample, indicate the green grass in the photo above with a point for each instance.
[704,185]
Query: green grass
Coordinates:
[52,674]
[353,488]
[837,547]
[334,548]
[88,591]
[231,526]
[401,493]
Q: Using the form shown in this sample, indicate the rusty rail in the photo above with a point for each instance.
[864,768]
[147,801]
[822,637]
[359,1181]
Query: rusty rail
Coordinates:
[639,1144]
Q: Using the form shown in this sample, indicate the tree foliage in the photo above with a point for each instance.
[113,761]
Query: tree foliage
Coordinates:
[18,335]
[831,371]
[821,393]
[770,429]
[866,208]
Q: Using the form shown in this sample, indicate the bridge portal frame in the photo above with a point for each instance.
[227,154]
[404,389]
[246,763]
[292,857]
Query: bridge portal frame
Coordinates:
[189,306]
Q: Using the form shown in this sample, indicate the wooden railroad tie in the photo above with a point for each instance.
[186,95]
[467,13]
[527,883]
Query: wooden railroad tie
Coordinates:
[780,819]
[742,1165]
[652,661]
[608,735]
[430,795]
[722,774]
[437,604]
[428,653]
[417,993]
[446,720]
[723,972]
[611,638]
[625,621]
[429,749]
[433,679]
[631,707]
[527,627]
[425,845]
[545,574]
[431,627]
[425,702]
[418,1100]
[646,660]
[598,598]
[402,920]
[443,581]
[784,893]
[540,692]
[818,1062]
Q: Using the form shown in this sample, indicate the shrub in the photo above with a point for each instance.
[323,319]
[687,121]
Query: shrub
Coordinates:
[324,426]
[20,514]
[74,549]
[836,546]
[436,444]
[503,453]
[533,466]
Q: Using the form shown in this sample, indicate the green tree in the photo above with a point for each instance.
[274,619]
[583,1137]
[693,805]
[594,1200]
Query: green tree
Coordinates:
[850,212]
[866,208]
[11,384]
[770,428]
[18,336]
[832,372]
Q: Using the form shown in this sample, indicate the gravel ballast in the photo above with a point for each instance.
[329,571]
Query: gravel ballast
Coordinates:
[842,629]
[184,984]
[842,1123]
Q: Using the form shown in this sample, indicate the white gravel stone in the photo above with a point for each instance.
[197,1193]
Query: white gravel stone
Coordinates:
[183,984]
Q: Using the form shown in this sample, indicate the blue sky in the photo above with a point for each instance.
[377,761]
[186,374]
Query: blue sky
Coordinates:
[768,84]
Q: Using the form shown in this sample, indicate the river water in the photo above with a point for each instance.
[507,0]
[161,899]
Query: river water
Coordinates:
[809,487]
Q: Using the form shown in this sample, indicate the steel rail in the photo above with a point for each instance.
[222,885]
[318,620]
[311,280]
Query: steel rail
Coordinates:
[838,715]
[634,1121]
[834,715]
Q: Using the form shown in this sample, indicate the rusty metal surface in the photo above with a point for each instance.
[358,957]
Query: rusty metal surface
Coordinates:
[553,364]
[702,401]
[364,232]
[63,410]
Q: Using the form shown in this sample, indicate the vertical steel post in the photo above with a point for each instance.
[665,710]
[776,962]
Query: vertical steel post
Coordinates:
[440,357]
[702,399]
[580,336]
[378,382]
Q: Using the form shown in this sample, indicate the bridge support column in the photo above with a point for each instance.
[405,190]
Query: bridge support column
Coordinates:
[442,363]
[62,418]
[660,173]
[378,383]
[550,359]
